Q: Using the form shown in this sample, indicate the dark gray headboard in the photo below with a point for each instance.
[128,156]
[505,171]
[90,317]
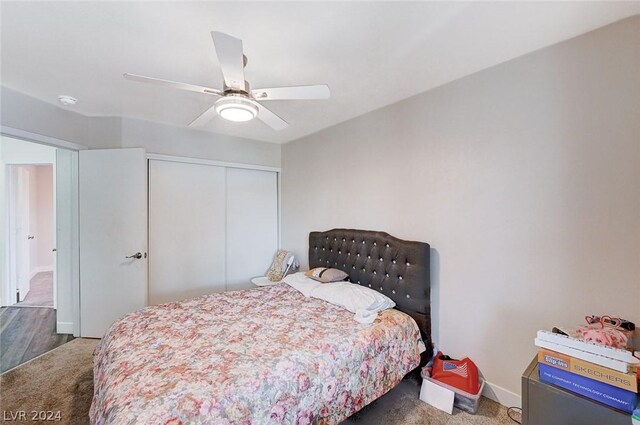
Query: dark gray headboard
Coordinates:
[396,268]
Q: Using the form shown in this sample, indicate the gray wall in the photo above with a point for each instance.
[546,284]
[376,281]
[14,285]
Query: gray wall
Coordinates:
[20,111]
[26,113]
[525,180]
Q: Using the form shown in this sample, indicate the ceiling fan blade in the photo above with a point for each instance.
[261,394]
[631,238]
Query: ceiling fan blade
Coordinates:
[271,119]
[204,117]
[172,84]
[319,91]
[231,58]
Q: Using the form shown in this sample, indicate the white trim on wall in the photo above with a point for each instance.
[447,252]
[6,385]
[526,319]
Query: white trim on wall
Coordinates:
[28,136]
[501,395]
[188,160]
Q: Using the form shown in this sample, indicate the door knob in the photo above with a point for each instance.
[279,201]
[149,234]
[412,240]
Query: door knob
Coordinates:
[137,256]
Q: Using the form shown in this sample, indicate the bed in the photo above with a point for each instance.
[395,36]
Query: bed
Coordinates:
[270,355]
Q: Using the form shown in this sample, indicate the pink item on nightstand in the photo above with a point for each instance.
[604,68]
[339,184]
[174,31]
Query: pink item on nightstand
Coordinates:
[606,330]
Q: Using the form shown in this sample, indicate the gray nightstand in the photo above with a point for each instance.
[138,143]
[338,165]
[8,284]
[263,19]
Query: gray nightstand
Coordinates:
[544,404]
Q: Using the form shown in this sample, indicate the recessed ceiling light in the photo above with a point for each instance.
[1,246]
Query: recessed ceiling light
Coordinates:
[67,100]
[235,108]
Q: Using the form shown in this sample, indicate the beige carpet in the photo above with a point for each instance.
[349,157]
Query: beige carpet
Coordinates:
[62,379]
[401,406]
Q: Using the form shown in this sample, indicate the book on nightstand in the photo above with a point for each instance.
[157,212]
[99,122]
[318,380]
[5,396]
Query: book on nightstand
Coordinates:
[626,381]
[608,394]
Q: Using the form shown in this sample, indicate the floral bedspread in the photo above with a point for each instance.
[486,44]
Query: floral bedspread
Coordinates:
[261,356]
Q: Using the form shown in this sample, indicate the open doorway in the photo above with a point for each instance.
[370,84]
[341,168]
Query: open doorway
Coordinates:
[30,205]
[37,214]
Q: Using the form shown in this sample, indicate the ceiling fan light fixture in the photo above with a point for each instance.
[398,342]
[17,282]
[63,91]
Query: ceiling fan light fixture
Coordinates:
[237,101]
[236,109]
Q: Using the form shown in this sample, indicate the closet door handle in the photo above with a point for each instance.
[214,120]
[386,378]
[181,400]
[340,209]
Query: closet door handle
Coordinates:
[136,256]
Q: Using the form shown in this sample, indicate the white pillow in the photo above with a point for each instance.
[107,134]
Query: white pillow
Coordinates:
[353,297]
[302,283]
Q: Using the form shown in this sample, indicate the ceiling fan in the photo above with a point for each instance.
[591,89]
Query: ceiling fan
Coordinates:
[238,102]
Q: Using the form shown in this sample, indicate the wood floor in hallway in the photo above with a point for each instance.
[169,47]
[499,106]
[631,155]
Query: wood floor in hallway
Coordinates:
[27,332]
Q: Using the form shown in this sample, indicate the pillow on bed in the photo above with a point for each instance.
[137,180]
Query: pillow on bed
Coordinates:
[326,275]
[301,283]
[353,297]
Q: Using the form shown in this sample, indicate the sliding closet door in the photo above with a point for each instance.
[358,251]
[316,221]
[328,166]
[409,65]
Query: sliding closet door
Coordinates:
[186,230]
[252,224]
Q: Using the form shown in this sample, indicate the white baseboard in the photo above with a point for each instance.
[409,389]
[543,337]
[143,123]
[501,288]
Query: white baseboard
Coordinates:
[64,327]
[501,395]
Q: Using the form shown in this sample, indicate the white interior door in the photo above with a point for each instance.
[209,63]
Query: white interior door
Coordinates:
[113,226]
[186,230]
[252,224]
[23,236]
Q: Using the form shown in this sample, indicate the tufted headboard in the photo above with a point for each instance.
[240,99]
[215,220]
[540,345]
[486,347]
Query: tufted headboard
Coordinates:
[397,268]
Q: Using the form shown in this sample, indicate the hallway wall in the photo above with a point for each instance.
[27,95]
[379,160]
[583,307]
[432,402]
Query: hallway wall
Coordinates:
[44,244]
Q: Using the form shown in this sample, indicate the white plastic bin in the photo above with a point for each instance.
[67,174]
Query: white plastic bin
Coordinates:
[462,399]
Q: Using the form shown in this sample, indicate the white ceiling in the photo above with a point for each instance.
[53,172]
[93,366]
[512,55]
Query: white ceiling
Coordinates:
[370,53]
